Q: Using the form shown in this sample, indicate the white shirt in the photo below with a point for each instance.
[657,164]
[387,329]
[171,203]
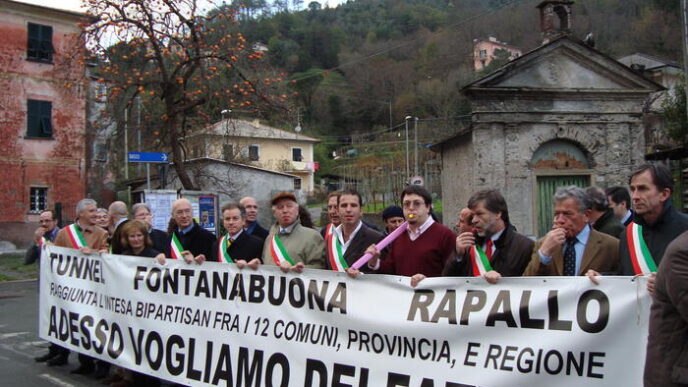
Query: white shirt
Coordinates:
[626,217]
[340,235]
[235,236]
[413,235]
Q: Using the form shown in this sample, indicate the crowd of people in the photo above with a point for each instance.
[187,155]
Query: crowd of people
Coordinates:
[594,233]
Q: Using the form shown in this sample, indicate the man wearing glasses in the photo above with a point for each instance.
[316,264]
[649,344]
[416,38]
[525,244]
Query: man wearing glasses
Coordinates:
[423,249]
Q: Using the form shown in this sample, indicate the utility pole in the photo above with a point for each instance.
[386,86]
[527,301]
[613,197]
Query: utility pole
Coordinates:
[126,144]
[408,168]
[684,9]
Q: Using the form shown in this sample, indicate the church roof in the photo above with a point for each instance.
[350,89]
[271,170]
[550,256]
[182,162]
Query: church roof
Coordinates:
[565,64]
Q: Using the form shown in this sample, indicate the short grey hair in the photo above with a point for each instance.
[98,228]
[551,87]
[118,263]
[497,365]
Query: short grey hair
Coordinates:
[136,207]
[598,198]
[576,193]
[81,205]
[101,209]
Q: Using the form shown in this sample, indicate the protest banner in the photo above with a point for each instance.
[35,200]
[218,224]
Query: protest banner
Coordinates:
[215,325]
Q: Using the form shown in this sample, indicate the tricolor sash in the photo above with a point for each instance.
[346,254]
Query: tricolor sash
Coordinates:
[176,247]
[335,254]
[278,252]
[642,260]
[222,253]
[76,237]
[481,264]
[329,231]
[42,241]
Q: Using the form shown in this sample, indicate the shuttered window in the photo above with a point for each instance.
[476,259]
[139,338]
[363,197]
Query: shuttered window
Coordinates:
[40,44]
[39,118]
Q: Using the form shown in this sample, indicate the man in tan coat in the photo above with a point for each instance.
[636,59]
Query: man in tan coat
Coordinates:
[572,247]
[88,238]
[290,245]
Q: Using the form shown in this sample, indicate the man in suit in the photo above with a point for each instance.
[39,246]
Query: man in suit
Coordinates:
[237,246]
[46,232]
[507,251]
[188,240]
[655,223]
[119,215]
[352,237]
[572,247]
[620,203]
[251,224]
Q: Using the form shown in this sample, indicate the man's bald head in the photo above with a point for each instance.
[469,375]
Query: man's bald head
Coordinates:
[182,213]
[118,210]
[251,207]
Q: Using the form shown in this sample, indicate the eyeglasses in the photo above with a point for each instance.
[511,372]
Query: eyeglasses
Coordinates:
[414,203]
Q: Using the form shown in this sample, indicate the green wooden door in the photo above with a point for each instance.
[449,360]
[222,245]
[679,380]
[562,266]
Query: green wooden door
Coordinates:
[546,186]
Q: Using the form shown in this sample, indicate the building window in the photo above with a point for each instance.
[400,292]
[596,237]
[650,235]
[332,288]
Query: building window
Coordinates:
[297,184]
[483,54]
[296,154]
[228,152]
[40,47]
[100,151]
[38,199]
[101,92]
[253,152]
[39,119]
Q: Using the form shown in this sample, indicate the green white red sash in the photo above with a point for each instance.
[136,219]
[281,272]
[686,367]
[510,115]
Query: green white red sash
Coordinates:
[222,253]
[278,252]
[76,237]
[642,260]
[176,247]
[335,254]
[329,230]
[42,241]
[481,264]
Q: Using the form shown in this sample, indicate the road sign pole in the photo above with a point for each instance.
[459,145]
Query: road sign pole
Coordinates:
[148,175]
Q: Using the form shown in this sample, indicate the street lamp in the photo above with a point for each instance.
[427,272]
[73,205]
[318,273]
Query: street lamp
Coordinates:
[415,146]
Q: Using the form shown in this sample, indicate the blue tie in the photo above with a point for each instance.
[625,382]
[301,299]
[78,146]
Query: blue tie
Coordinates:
[570,257]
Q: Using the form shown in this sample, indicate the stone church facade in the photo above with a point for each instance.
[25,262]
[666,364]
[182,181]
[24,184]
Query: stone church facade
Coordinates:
[561,114]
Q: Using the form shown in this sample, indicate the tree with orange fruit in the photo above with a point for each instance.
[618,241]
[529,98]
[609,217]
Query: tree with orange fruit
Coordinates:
[181,61]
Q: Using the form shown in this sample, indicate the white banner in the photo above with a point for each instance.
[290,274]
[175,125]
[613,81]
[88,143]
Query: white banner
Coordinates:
[215,325]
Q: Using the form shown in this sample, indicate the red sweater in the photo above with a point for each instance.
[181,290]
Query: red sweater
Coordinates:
[426,255]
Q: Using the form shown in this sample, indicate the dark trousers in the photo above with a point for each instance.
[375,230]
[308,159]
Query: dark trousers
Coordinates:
[88,361]
[57,350]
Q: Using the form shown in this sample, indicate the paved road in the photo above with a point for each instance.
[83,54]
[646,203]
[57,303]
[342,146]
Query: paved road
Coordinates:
[19,342]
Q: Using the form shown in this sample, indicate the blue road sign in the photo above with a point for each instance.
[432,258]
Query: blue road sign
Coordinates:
[147,157]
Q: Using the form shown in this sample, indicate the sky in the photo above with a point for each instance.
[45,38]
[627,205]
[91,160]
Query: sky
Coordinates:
[75,5]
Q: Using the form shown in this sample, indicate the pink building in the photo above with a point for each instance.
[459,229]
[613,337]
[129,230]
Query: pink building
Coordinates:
[43,115]
[484,51]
